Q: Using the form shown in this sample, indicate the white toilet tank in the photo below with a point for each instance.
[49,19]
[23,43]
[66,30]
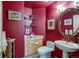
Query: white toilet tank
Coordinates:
[50,44]
[45,51]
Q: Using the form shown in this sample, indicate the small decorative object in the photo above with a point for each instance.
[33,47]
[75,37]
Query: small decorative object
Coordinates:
[27,31]
[68,22]
[26,36]
[31,17]
[13,15]
[51,24]
[26,17]
[10,51]
[70,32]
[66,31]
[28,22]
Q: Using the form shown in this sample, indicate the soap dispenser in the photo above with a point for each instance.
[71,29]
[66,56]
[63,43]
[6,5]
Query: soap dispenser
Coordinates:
[32,36]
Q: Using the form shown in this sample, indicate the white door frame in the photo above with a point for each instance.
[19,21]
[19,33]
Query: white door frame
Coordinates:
[0,27]
[0,18]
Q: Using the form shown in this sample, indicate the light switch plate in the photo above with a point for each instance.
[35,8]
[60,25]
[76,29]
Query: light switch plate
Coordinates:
[27,31]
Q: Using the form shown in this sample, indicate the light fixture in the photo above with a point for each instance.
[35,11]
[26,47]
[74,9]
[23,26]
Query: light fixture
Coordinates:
[61,8]
[77,4]
[46,0]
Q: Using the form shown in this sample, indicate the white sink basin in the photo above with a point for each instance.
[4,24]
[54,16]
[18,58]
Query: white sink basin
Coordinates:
[66,46]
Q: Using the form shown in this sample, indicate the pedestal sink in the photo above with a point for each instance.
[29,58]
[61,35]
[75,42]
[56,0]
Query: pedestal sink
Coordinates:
[66,47]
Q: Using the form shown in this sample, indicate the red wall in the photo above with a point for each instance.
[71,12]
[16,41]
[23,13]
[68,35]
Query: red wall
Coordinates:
[39,21]
[15,29]
[51,12]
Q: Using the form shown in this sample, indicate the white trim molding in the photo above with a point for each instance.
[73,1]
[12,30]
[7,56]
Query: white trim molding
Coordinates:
[0,27]
[0,18]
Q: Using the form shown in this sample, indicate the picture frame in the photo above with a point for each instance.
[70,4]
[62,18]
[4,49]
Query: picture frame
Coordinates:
[51,24]
[68,22]
[14,15]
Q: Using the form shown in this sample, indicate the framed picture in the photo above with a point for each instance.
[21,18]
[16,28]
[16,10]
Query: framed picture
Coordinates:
[13,15]
[68,22]
[51,24]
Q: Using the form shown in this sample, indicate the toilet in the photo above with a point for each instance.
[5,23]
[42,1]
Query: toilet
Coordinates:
[45,51]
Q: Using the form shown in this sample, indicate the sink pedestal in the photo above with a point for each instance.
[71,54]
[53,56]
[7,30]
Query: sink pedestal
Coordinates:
[66,47]
[65,54]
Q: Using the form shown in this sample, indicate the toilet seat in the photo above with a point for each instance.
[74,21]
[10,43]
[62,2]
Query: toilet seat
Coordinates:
[45,51]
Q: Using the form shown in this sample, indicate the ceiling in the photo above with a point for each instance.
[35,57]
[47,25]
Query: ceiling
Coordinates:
[37,4]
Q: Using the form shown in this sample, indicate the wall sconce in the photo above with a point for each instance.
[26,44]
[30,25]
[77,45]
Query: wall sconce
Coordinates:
[60,8]
[77,4]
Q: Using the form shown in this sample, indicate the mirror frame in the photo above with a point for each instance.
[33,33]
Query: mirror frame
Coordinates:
[59,23]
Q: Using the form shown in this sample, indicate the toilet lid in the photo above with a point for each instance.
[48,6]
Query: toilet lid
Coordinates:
[45,49]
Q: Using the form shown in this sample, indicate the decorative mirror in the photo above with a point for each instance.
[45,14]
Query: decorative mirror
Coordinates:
[68,22]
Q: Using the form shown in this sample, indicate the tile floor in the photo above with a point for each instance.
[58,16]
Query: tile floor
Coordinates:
[35,55]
